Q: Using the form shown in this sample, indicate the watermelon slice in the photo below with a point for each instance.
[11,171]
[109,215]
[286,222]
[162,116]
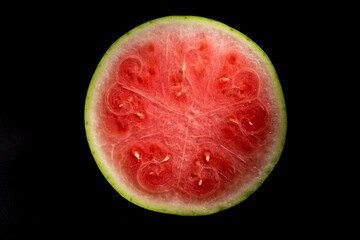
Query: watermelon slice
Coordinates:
[185,115]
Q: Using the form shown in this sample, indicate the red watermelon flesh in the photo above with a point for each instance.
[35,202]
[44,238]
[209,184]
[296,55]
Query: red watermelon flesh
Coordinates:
[185,115]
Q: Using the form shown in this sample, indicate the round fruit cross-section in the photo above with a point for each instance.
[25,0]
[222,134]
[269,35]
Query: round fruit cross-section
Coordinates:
[185,115]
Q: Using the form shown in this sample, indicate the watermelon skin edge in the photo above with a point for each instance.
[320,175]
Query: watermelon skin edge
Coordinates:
[96,152]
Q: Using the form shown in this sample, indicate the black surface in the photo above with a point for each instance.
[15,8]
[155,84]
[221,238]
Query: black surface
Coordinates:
[49,183]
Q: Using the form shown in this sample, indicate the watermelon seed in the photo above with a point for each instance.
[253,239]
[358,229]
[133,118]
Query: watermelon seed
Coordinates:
[136,154]
[167,157]
[141,116]
[233,120]
[200,182]
[207,156]
[223,79]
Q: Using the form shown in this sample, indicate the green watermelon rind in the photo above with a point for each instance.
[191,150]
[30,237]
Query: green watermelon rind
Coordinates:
[106,170]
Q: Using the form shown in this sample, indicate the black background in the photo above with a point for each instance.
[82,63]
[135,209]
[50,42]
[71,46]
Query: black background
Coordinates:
[49,183]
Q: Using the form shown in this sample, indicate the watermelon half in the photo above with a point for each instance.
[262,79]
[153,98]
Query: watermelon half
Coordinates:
[185,115]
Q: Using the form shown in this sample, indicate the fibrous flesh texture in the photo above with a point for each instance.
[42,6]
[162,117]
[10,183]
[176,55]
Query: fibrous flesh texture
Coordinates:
[185,116]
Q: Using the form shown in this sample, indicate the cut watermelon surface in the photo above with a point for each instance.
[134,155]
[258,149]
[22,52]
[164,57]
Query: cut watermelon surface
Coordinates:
[185,115]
